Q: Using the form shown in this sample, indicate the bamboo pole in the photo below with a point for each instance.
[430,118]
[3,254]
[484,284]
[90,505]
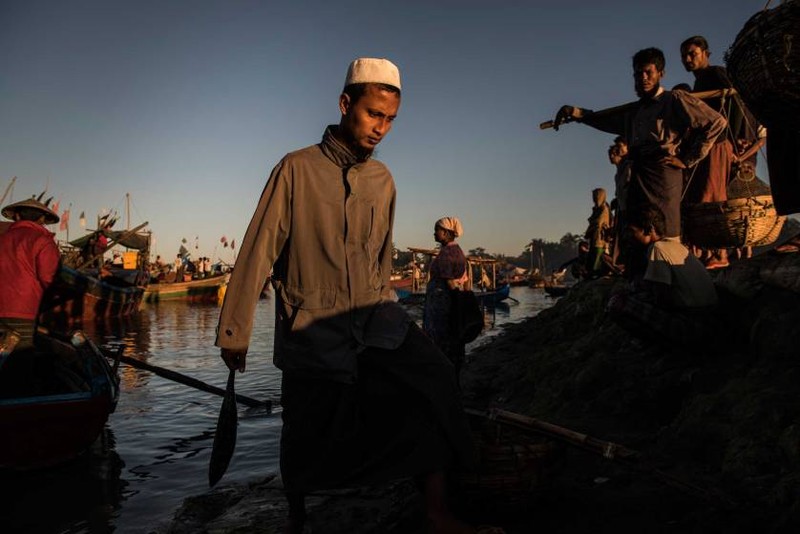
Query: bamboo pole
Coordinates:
[608,450]
[703,95]
[9,187]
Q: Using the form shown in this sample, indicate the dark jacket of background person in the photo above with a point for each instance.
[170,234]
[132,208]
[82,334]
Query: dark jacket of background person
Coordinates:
[654,128]
[450,264]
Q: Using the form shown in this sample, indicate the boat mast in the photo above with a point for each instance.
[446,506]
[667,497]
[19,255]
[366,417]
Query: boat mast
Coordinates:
[8,189]
[127,211]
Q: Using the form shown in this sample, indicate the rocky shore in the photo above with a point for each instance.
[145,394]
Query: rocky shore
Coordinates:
[716,428]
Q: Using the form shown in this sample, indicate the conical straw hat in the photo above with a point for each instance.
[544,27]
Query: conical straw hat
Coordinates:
[50,217]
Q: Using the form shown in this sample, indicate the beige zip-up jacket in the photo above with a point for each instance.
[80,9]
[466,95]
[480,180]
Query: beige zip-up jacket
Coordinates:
[324,227]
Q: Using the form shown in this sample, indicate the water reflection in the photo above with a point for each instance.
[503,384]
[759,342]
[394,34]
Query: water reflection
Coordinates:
[156,448]
[81,496]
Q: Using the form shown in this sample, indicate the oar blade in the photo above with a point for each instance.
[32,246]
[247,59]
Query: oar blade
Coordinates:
[225,437]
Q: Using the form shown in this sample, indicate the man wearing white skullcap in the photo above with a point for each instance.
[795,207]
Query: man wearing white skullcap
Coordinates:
[366,396]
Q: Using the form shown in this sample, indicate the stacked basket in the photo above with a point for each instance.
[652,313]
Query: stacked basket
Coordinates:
[764,64]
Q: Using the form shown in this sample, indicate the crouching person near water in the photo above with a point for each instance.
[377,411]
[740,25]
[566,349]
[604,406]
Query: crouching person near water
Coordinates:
[366,396]
[675,298]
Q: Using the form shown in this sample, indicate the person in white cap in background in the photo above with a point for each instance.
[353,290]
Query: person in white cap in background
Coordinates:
[366,396]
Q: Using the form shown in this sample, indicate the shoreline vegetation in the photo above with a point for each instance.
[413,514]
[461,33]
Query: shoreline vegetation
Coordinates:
[724,417]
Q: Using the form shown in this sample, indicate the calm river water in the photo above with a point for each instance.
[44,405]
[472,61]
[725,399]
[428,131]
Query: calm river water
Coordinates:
[156,447]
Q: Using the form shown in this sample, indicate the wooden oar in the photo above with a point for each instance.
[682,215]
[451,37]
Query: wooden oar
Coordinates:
[193,382]
[225,437]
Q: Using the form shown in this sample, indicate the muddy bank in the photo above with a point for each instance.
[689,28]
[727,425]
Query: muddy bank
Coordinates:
[725,421]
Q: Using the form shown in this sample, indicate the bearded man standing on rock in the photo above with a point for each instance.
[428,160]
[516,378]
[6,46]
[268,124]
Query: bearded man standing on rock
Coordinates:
[366,396]
[654,129]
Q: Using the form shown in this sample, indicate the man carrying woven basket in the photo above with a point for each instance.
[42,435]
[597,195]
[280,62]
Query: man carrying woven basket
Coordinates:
[708,181]
[655,128]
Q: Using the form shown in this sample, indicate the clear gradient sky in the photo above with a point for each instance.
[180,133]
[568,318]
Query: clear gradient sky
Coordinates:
[187,105]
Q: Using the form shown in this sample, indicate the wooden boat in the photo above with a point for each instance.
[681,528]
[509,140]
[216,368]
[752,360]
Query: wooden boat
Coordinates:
[490,298]
[83,293]
[59,418]
[77,297]
[207,290]
[402,283]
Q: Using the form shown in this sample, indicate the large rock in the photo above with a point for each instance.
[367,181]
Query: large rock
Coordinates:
[726,417]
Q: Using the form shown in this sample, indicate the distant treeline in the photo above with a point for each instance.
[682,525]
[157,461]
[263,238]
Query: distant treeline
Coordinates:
[544,256]
[547,256]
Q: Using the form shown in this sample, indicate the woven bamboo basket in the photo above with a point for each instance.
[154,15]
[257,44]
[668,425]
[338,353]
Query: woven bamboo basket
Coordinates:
[764,64]
[773,234]
[737,222]
[512,466]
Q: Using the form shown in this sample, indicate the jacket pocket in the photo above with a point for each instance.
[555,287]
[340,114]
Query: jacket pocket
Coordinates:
[318,298]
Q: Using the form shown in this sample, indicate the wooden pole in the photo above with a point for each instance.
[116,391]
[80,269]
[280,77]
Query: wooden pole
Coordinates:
[703,95]
[9,187]
[607,449]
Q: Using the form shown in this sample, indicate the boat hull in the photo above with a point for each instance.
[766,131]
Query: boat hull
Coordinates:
[45,430]
[204,290]
[489,298]
[76,298]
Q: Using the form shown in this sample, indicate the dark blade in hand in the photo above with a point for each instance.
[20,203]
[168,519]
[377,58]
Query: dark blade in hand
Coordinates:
[225,438]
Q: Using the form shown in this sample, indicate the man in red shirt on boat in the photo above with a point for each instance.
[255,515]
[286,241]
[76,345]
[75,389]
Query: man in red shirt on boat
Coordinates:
[29,259]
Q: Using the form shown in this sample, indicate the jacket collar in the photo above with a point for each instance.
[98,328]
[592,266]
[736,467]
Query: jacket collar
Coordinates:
[336,151]
[32,225]
[656,97]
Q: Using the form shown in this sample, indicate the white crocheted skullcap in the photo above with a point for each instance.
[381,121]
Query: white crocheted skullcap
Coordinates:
[373,70]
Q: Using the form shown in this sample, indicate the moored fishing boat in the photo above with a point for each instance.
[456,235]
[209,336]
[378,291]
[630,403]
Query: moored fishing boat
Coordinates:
[207,290]
[86,290]
[77,297]
[60,416]
[489,298]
